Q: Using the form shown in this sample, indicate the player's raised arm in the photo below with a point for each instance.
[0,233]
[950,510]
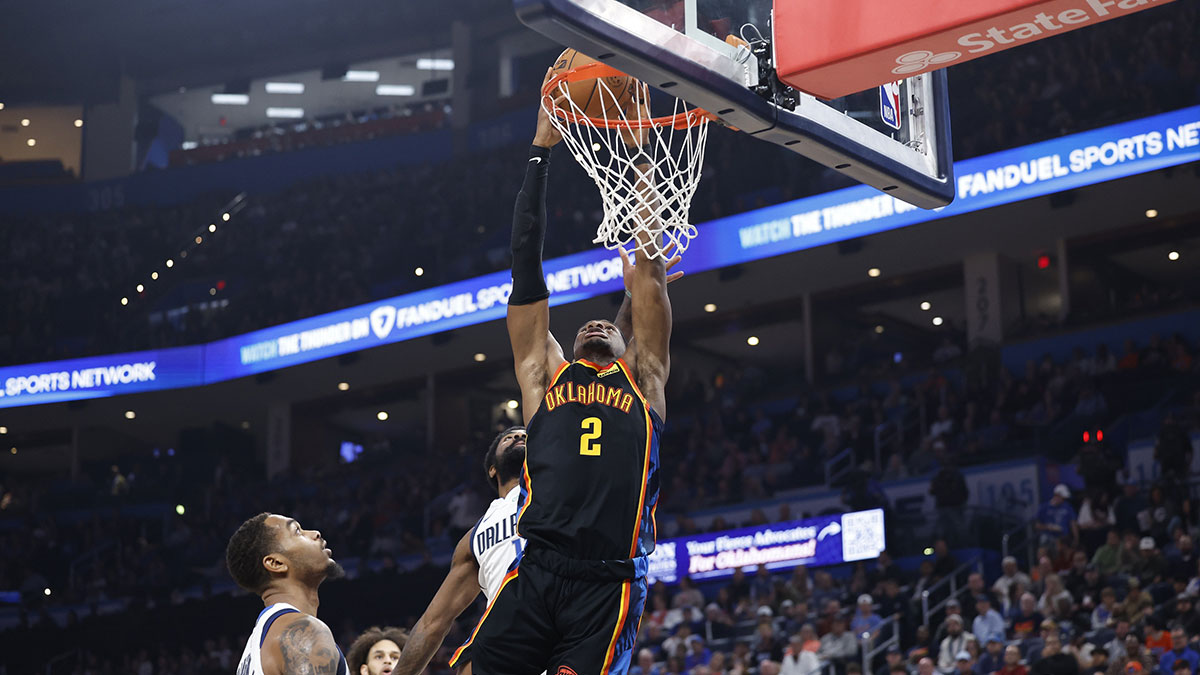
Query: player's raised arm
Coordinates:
[624,319]
[652,326]
[457,592]
[535,351]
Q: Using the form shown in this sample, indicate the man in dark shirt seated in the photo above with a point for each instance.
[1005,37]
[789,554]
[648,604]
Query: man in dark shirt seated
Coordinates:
[1053,660]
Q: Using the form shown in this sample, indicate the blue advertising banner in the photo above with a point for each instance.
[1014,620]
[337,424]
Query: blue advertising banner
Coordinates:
[100,376]
[1013,175]
[826,540]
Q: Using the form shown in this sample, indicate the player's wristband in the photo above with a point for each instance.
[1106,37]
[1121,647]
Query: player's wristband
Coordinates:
[529,231]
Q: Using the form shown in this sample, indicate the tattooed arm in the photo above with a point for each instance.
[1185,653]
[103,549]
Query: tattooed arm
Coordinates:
[302,646]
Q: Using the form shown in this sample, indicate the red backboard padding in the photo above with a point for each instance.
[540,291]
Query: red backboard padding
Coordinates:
[831,48]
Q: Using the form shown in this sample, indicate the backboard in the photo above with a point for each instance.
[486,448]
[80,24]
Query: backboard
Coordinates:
[680,47]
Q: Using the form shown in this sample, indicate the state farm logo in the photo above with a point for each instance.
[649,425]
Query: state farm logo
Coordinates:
[382,321]
[915,62]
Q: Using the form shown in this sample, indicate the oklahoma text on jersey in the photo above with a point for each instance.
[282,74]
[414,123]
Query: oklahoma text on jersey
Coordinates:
[594,392]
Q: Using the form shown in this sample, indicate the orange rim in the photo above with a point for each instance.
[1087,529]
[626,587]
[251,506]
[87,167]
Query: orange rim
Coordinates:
[683,120]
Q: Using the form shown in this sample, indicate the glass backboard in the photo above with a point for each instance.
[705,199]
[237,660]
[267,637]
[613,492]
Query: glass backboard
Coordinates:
[681,47]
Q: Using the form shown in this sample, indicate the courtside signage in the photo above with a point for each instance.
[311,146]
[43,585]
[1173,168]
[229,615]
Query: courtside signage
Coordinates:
[1010,176]
[827,540]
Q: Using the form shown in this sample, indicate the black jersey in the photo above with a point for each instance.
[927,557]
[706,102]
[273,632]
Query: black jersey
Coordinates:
[590,484]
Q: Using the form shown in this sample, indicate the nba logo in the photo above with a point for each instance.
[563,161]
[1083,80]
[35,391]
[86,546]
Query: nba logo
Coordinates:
[889,104]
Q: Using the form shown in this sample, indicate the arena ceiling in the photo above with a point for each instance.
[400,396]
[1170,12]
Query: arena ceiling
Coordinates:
[64,51]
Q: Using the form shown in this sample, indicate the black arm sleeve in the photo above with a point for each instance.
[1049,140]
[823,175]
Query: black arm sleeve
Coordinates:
[529,231]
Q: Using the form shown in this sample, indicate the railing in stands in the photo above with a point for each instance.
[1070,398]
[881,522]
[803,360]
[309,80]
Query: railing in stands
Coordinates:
[955,588]
[838,466]
[870,650]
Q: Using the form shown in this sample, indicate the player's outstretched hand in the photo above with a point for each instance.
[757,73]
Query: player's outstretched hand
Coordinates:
[547,136]
[627,267]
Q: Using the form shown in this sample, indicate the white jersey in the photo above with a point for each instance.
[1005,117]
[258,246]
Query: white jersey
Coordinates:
[495,543]
[251,662]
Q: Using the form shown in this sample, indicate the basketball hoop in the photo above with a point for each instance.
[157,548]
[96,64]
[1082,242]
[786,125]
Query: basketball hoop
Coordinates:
[647,168]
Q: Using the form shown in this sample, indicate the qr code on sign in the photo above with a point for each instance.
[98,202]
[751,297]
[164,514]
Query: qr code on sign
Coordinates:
[862,535]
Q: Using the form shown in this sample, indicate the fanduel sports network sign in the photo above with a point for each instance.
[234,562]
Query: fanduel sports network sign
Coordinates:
[827,540]
[897,40]
[1014,175]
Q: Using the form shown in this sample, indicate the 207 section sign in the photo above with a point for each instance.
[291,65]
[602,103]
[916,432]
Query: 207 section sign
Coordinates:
[826,540]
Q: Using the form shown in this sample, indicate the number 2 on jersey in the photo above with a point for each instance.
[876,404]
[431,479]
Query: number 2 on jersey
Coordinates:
[589,443]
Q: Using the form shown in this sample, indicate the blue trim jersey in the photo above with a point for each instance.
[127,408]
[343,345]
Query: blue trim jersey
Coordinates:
[251,661]
[591,483]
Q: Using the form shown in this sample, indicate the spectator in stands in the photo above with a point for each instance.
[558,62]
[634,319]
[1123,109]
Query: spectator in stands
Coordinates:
[1010,574]
[955,641]
[964,663]
[1054,592]
[944,563]
[688,595]
[1091,406]
[1112,558]
[1105,612]
[988,621]
[697,652]
[1053,660]
[950,494]
[1179,651]
[1137,603]
[1027,619]
[1158,639]
[893,659]
[1182,667]
[1129,507]
[1012,662]
[925,666]
[992,658]
[797,660]
[865,620]
[1184,615]
[808,638]
[645,664]
[1150,566]
[1057,520]
[1182,558]
[1099,662]
[838,645]
[1116,646]
[717,623]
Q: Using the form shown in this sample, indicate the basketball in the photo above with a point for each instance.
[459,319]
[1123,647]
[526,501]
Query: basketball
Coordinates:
[592,99]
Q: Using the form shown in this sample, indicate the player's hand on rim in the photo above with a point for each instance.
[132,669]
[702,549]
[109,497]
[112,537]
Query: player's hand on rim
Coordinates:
[547,135]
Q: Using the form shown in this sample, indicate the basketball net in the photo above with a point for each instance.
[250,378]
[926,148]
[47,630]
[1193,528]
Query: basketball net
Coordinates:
[647,169]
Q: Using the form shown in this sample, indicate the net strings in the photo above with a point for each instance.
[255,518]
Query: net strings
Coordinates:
[646,177]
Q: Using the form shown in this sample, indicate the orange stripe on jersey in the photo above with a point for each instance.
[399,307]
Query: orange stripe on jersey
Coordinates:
[458,652]
[612,645]
[558,373]
[629,376]
[528,485]
[637,523]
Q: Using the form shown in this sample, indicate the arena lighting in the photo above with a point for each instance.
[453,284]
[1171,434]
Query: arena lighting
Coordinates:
[245,424]
[595,147]
[189,145]
[170,263]
[928,551]
[285,113]
[925,306]
[361,76]
[381,416]
[512,404]
[124,301]
[25,122]
[343,386]
[395,90]
[31,142]
[1173,256]
[212,227]
[879,330]
[1,106]
[1099,435]
[3,430]
[874,272]
[199,239]
[435,64]
[212,291]
[1043,262]
[285,87]
[480,357]
[420,271]
[752,341]
[13,450]
[46,591]
[154,276]
[78,123]
[129,414]
[140,288]
[937,321]
[225,217]
[179,509]
[1151,213]
[1087,437]
[710,308]
[231,99]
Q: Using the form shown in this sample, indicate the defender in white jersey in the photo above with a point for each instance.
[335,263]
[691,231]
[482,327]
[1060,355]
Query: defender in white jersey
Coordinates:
[481,559]
[272,556]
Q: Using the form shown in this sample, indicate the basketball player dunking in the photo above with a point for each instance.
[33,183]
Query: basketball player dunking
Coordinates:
[271,555]
[573,601]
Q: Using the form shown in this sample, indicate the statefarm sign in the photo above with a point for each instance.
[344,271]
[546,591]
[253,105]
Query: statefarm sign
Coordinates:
[894,41]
